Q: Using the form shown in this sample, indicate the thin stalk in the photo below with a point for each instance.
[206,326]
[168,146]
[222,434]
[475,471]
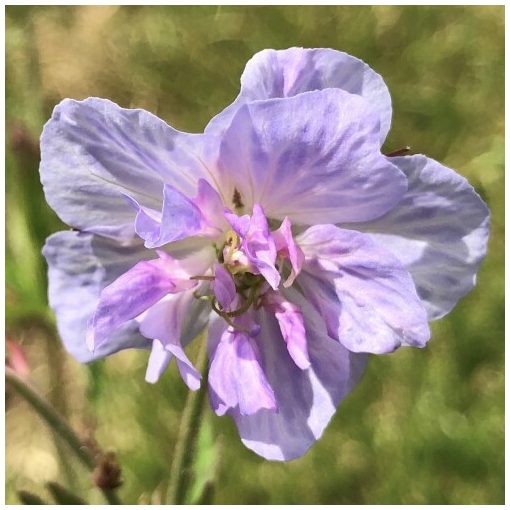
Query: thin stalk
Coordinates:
[57,398]
[57,424]
[185,448]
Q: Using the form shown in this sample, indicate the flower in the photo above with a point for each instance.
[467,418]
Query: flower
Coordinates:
[282,227]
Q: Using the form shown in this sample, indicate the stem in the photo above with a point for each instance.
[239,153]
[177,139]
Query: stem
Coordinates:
[57,424]
[57,398]
[180,471]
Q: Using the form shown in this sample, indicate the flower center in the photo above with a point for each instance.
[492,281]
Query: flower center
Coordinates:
[247,286]
[252,260]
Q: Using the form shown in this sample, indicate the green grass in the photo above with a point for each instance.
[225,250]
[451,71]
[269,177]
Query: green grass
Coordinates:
[423,426]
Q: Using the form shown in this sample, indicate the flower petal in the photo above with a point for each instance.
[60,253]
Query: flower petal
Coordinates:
[133,293]
[211,206]
[158,362]
[260,248]
[320,168]
[240,224]
[292,327]
[285,73]
[180,218]
[80,266]
[236,379]
[93,152]
[439,231]
[223,287]
[257,243]
[286,245]
[306,399]
[365,296]
[165,322]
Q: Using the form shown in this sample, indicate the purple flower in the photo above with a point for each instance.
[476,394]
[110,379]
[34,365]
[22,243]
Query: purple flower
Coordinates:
[282,227]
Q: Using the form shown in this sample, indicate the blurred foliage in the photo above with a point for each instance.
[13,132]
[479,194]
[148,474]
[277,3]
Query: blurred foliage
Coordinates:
[422,426]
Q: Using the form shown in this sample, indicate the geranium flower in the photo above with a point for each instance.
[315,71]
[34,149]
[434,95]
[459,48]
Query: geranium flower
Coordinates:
[282,227]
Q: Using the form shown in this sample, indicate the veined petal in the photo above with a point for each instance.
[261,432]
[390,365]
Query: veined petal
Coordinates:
[306,399]
[292,327]
[257,242]
[439,232]
[211,206]
[364,294]
[285,73]
[240,224]
[260,248]
[286,245]
[93,153]
[223,287]
[236,378]
[165,322]
[158,362]
[320,168]
[180,218]
[133,293]
[80,265]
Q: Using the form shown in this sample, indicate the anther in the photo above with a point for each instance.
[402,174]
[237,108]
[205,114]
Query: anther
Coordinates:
[203,297]
[231,239]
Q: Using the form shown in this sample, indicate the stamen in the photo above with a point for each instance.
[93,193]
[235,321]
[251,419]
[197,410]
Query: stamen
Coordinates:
[202,277]
[231,239]
[227,319]
[246,304]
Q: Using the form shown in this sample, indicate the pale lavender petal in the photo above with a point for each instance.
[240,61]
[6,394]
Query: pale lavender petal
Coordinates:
[239,224]
[306,399]
[158,362]
[439,232]
[284,73]
[292,327]
[189,373]
[364,294]
[180,218]
[258,244]
[80,265]
[147,220]
[195,256]
[320,168]
[211,206]
[286,245]
[93,153]
[223,287]
[236,378]
[133,293]
[164,322]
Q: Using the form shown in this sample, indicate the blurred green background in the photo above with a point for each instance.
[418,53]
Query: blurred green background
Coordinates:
[422,426]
